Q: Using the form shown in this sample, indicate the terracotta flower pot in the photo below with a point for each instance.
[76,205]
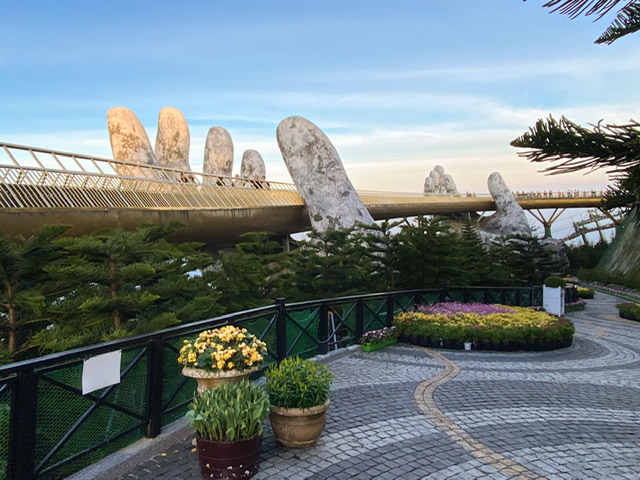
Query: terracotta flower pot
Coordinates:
[229,460]
[298,427]
[208,379]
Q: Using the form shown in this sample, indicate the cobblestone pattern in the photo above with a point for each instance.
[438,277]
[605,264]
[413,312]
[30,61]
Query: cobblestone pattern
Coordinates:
[411,413]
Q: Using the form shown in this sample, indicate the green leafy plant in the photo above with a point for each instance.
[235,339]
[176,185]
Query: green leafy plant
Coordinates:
[231,412]
[585,292]
[555,282]
[630,311]
[298,383]
[520,325]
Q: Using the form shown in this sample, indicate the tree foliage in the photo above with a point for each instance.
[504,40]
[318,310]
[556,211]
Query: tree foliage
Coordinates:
[627,19]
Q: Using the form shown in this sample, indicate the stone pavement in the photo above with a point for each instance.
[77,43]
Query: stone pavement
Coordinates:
[413,413]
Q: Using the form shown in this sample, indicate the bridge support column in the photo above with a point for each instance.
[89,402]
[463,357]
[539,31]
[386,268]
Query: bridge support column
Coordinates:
[547,222]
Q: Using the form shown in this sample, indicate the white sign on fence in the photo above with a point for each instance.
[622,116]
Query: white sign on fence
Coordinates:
[101,371]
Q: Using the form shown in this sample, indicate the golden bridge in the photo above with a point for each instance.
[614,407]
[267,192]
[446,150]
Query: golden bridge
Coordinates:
[39,186]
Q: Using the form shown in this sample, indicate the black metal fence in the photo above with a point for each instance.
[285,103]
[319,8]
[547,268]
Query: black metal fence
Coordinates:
[49,429]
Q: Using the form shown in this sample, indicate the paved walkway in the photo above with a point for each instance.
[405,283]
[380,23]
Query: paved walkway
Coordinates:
[412,413]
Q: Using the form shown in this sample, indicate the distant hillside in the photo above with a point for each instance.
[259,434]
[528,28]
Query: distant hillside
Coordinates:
[623,256]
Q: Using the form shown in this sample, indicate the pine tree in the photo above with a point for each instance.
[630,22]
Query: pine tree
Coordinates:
[525,260]
[474,256]
[117,283]
[380,242]
[22,277]
[331,264]
[627,20]
[428,254]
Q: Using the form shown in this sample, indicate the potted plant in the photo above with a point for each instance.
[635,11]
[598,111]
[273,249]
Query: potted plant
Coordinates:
[223,355]
[299,391]
[229,425]
[377,339]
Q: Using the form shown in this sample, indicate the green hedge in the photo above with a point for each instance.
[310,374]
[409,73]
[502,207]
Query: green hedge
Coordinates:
[526,329]
[629,311]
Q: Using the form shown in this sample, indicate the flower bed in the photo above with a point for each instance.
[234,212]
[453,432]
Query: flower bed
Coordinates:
[579,304]
[378,339]
[488,327]
[630,311]
[584,292]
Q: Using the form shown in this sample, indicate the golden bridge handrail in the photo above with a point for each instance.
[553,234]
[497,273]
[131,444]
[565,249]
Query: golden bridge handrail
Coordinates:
[70,180]
[95,183]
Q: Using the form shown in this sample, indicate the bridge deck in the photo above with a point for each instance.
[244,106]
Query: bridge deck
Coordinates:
[42,186]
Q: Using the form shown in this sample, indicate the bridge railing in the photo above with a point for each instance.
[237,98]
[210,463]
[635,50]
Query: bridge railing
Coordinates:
[51,430]
[35,178]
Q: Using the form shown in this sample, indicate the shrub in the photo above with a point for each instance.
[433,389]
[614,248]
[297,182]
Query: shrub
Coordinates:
[579,304]
[298,383]
[585,292]
[518,325]
[555,282]
[629,311]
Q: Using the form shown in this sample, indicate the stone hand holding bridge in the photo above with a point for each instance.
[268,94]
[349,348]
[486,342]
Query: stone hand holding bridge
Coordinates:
[39,186]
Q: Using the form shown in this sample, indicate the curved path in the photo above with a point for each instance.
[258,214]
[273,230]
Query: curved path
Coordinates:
[414,413]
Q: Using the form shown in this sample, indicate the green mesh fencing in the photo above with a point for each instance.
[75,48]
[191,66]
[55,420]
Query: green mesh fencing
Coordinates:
[70,425]
[375,314]
[302,332]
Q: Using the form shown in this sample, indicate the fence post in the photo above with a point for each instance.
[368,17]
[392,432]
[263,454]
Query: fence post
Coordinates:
[390,309]
[503,296]
[466,295]
[443,293]
[359,319]
[22,427]
[323,329]
[281,329]
[155,378]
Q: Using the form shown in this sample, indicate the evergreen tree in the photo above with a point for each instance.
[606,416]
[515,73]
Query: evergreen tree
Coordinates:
[525,259]
[331,264]
[428,254]
[380,242]
[477,266]
[22,299]
[117,283]
[239,280]
[277,264]
[627,20]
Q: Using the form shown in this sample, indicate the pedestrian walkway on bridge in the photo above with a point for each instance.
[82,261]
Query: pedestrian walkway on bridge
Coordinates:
[414,413]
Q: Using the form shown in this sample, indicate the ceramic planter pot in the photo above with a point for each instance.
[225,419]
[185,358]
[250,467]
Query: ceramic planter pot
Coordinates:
[229,460]
[208,379]
[298,427]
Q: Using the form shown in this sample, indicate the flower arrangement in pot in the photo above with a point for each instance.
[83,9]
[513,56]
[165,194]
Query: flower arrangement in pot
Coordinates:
[299,391]
[223,355]
[229,423]
[377,339]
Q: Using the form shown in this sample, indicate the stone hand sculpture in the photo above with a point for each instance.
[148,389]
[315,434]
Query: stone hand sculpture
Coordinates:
[440,183]
[317,171]
[218,153]
[130,143]
[509,218]
[173,140]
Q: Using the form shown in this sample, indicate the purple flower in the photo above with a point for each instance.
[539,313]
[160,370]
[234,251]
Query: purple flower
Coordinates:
[375,336]
[454,308]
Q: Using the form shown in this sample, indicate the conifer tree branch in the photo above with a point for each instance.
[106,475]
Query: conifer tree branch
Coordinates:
[615,147]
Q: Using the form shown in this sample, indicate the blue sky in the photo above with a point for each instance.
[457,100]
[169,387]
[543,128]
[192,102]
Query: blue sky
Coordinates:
[398,87]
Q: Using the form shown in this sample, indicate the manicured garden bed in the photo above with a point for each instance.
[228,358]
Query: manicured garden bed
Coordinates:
[487,327]
[630,311]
